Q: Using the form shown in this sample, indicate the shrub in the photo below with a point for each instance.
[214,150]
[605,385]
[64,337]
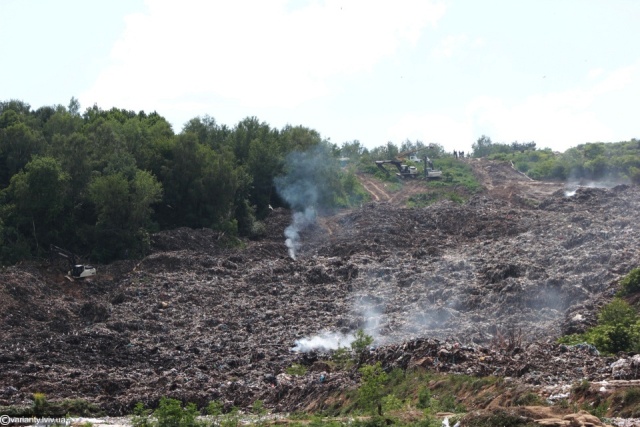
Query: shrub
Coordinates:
[631,282]
[170,413]
[391,403]
[617,312]
[447,403]
[632,396]
[258,408]
[528,399]
[362,342]
[618,329]
[40,404]
[296,369]
[342,358]
[424,398]
[371,390]
[215,408]
[581,388]
[141,416]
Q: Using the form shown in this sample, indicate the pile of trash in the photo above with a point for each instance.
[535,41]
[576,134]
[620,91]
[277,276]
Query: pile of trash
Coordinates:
[481,288]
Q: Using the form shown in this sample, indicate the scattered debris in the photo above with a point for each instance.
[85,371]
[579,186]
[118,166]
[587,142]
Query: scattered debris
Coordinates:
[482,288]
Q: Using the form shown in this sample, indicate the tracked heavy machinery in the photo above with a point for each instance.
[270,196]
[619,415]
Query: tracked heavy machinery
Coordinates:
[404,171]
[407,171]
[76,270]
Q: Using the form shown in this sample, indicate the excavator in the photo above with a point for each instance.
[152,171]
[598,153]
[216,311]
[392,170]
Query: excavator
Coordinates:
[77,271]
[408,171]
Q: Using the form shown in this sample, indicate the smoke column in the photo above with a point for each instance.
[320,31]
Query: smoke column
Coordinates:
[303,188]
[301,220]
[325,341]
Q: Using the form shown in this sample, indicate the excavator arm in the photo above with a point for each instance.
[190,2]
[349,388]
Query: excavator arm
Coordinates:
[63,253]
[404,171]
[77,271]
[381,163]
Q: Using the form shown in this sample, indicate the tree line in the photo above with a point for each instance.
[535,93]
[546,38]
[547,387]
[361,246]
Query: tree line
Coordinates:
[98,183]
[597,161]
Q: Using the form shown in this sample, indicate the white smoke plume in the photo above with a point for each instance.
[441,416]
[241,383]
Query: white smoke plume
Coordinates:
[304,188]
[301,220]
[324,342]
[572,187]
[372,312]
[372,316]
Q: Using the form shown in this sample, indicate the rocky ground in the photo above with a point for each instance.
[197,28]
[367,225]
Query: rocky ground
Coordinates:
[480,288]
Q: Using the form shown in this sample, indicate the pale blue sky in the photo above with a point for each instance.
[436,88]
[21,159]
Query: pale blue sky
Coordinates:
[559,73]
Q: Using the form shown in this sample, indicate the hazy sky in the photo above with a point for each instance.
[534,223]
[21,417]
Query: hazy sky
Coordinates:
[557,72]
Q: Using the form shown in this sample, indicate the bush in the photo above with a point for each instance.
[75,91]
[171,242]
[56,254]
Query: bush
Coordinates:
[296,369]
[618,329]
[391,403]
[40,404]
[630,284]
[370,392]
[141,416]
[529,399]
[424,398]
[342,358]
[170,413]
[215,408]
[361,344]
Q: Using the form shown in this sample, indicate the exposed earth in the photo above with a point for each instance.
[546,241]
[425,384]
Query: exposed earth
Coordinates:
[481,288]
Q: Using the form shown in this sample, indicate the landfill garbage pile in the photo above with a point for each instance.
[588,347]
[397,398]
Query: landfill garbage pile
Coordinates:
[482,288]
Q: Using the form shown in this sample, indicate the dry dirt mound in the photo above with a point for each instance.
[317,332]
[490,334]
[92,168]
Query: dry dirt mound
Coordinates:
[477,288]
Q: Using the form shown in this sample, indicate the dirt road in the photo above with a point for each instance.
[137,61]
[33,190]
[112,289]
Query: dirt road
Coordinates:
[443,284]
[499,180]
[502,181]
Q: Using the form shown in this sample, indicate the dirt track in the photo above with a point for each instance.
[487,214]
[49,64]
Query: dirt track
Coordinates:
[499,180]
[199,322]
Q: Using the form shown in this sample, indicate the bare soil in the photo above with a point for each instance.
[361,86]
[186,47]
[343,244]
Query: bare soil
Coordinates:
[482,288]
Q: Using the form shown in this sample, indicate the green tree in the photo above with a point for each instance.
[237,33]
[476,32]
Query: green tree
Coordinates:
[145,190]
[110,195]
[371,390]
[170,413]
[37,196]
[18,144]
[618,312]
[630,284]
[360,344]
[265,162]
[74,107]
[482,147]
[123,211]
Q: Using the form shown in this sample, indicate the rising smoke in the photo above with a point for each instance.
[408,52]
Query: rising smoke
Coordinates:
[301,220]
[305,189]
[572,186]
[371,313]
[324,341]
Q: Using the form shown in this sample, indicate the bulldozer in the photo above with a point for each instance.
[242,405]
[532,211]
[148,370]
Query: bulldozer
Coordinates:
[76,270]
[407,171]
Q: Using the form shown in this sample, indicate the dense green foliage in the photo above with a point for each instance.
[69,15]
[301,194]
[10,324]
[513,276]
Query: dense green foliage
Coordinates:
[630,284]
[591,161]
[370,393]
[99,183]
[169,413]
[618,327]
